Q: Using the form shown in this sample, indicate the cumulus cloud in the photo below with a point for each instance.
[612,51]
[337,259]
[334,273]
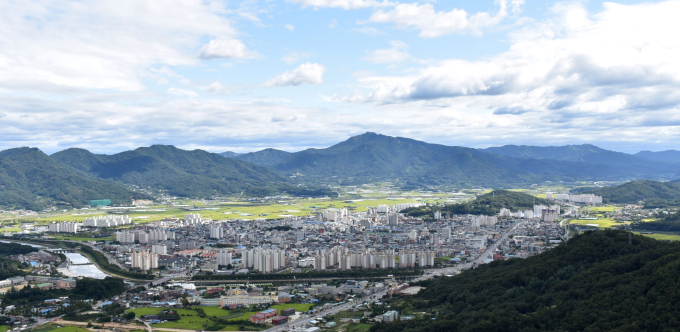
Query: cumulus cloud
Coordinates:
[101,45]
[306,73]
[182,92]
[398,53]
[575,61]
[217,88]
[226,49]
[292,57]
[432,23]
[290,28]
[344,4]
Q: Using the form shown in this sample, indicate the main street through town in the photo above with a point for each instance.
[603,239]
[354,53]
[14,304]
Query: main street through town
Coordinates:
[298,324]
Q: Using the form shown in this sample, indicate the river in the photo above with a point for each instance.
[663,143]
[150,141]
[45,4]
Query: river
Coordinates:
[90,270]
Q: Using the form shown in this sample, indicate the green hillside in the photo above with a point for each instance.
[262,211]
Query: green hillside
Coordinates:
[488,204]
[194,173]
[374,157]
[636,191]
[598,282]
[669,223]
[30,179]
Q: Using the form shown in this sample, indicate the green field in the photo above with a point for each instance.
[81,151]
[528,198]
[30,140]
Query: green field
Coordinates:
[4,328]
[602,209]
[600,222]
[239,210]
[358,327]
[662,236]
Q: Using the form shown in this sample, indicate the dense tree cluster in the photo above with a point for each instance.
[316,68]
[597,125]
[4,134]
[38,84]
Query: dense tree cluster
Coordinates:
[15,249]
[596,282]
[487,204]
[86,288]
[636,191]
[670,223]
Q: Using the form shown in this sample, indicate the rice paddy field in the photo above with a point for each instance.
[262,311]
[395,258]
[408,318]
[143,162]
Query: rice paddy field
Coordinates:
[229,210]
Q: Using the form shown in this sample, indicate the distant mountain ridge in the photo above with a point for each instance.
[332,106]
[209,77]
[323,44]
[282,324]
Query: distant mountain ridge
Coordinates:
[30,179]
[179,172]
[667,156]
[371,156]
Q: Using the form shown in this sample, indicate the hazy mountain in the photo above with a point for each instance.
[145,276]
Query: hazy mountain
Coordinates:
[378,157]
[636,191]
[30,179]
[672,156]
[229,154]
[632,166]
[266,157]
[179,172]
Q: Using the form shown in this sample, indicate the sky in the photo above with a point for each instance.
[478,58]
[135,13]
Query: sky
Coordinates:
[241,76]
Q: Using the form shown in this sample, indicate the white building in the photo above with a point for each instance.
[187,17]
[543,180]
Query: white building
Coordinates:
[144,260]
[159,249]
[64,227]
[223,257]
[125,237]
[107,221]
[216,233]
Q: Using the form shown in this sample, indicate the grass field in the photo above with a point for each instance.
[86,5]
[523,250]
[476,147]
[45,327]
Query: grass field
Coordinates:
[4,328]
[69,329]
[238,210]
[358,327]
[187,322]
[662,236]
[601,222]
[602,209]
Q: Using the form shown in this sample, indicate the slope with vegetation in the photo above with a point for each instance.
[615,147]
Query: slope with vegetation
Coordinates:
[194,173]
[596,282]
[636,191]
[487,204]
[373,157]
[30,179]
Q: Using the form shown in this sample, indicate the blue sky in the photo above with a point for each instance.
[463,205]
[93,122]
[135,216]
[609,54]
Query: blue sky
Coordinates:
[246,75]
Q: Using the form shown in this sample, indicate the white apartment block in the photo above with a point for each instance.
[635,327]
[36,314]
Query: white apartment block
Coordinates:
[64,227]
[107,221]
[144,260]
[216,232]
[125,237]
[223,257]
[159,249]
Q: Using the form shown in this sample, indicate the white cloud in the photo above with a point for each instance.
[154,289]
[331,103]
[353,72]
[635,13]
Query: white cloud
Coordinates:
[344,4]
[217,88]
[311,73]
[370,31]
[290,28]
[227,49]
[398,53]
[182,92]
[573,61]
[432,23]
[333,24]
[100,44]
[293,57]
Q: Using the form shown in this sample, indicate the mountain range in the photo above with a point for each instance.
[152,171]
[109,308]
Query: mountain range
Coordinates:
[372,156]
[29,178]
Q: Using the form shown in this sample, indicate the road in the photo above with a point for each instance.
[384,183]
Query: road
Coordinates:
[487,254]
[329,312]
